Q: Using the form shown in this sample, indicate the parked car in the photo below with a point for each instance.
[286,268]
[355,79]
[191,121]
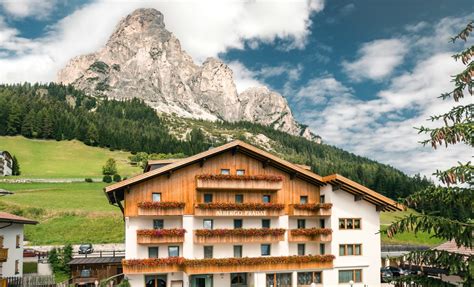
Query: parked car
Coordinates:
[386,276]
[395,270]
[86,248]
[29,252]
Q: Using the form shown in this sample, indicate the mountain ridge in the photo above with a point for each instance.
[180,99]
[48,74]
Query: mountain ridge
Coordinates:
[142,59]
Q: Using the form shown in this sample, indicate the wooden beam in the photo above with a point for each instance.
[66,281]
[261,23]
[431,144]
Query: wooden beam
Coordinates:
[293,175]
[265,163]
[379,207]
[234,150]
[202,161]
[359,197]
[170,173]
[336,187]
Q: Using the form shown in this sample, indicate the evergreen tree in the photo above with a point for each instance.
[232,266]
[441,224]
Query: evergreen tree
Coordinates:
[15,166]
[447,211]
[14,120]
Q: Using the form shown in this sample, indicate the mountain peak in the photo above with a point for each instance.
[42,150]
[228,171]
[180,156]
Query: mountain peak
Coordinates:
[144,60]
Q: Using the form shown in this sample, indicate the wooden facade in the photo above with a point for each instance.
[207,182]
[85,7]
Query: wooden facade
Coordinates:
[238,239]
[160,212]
[147,239]
[181,185]
[309,238]
[302,212]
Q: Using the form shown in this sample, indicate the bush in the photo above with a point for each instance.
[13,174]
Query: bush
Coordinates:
[117,177]
[88,179]
[107,178]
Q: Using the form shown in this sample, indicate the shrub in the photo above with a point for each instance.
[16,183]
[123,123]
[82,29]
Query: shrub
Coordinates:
[88,179]
[117,177]
[107,178]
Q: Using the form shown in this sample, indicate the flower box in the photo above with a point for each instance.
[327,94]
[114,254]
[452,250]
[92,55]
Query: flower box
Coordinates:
[310,234]
[239,182]
[160,208]
[240,235]
[311,209]
[152,265]
[155,236]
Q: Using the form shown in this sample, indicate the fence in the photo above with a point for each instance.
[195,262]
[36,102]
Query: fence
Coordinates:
[28,281]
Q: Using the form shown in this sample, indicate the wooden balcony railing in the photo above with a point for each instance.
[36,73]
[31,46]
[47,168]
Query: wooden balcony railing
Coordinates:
[239,182]
[3,254]
[310,234]
[155,236]
[310,209]
[227,265]
[240,235]
[160,208]
[239,209]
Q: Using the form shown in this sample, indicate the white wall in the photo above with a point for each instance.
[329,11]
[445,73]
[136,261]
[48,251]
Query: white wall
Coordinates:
[9,241]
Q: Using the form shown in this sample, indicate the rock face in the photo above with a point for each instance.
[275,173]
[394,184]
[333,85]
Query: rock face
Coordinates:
[144,60]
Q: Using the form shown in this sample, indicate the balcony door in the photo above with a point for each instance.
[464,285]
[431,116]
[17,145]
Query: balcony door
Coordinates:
[279,280]
[201,281]
[155,280]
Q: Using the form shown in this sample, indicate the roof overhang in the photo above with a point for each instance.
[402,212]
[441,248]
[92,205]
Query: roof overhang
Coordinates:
[359,191]
[11,218]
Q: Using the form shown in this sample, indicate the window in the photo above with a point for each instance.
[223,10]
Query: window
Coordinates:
[208,251]
[239,198]
[265,249]
[207,223]
[349,223]
[345,276]
[207,197]
[350,249]
[306,278]
[156,197]
[322,223]
[237,251]
[158,223]
[173,251]
[278,280]
[225,171]
[301,249]
[238,223]
[18,241]
[322,199]
[266,199]
[301,223]
[241,172]
[17,266]
[152,252]
[238,279]
[322,248]
[303,199]
[265,223]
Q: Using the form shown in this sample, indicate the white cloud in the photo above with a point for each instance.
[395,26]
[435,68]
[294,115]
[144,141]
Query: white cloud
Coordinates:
[243,77]
[205,28]
[377,59]
[320,90]
[39,9]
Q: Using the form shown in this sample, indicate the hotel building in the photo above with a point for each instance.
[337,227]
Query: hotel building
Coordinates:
[238,216]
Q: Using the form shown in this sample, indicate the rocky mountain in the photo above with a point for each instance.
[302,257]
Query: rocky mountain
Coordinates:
[144,60]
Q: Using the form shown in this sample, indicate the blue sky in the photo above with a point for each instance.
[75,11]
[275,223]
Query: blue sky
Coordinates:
[360,73]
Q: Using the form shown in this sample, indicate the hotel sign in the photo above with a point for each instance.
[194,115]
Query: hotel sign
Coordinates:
[241,213]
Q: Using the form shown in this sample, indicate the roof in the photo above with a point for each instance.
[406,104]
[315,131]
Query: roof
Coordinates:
[115,191]
[5,152]
[366,193]
[96,260]
[11,218]
[159,161]
[452,247]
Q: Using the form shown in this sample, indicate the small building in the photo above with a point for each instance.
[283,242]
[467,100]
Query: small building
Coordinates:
[6,163]
[90,268]
[11,244]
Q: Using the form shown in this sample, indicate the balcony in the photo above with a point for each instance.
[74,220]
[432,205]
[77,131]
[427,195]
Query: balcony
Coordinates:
[156,236]
[239,182]
[162,208]
[3,254]
[240,235]
[310,209]
[227,265]
[310,234]
[239,209]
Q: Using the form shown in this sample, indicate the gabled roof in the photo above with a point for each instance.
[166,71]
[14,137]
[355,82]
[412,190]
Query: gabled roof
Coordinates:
[11,218]
[452,247]
[114,192]
[152,162]
[363,192]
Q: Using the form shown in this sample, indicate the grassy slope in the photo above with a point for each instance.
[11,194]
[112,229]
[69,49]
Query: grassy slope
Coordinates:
[63,159]
[421,238]
[67,212]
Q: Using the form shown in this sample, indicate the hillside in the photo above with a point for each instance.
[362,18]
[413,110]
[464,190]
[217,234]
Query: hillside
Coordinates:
[63,113]
[63,159]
